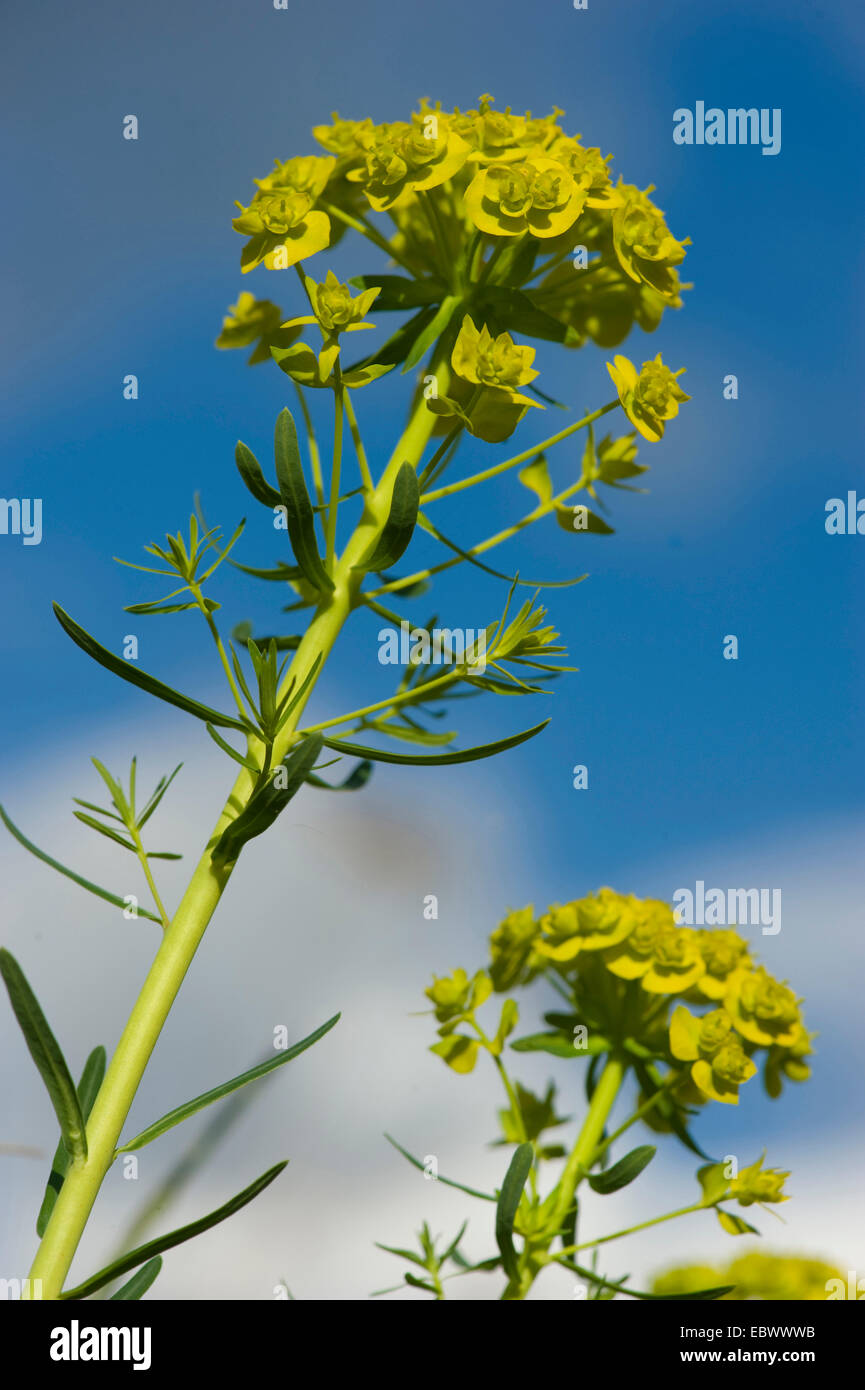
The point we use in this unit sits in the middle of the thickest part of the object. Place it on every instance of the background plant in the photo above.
(682, 1017)
(501, 225)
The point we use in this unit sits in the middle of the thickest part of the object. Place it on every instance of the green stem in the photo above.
(630, 1230)
(542, 510)
(148, 874)
(357, 440)
(312, 443)
(333, 505)
(602, 1102)
(638, 1114)
(223, 655)
(518, 458)
(366, 229)
(440, 239)
(393, 702)
(181, 940)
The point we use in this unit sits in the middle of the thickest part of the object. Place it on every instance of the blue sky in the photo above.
(121, 259)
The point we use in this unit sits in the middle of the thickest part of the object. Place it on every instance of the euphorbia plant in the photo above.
(678, 1017)
(488, 229)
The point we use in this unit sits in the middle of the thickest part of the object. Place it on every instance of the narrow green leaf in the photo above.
(265, 805)
(399, 344)
(114, 789)
(156, 796)
(593, 1277)
(129, 672)
(556, 1044)
(432, 330)
(182, 1112)
(45, 1051)
(577, 518)
(508, 1202)
(283, 644)
(148, 609)
(451, 1250)
(410, 733)
(667, 1107)
(232, 752)
(250, 471)
(562, 1045)
(281, 574)
(401, 521)
(510, 310)
(354, 781)
(419, 1283)
(448, 1182)
(100, 810)
(88, 1089)
(398, 292)
(467, 755)
(103, 830)
(424, 522)
(140, 1282)
(167, 1242)
(700, 1295)
(402, 1254)
(623, 1172)
(299, 516)
(69, 873)
(735, 1225)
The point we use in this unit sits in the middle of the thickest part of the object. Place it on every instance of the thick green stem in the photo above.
(181, 939)
(602, 1102)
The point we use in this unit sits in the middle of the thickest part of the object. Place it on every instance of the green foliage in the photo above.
(50, 1062)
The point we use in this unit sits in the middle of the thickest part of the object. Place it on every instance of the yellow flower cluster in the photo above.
(755, 1275)
(445, 178)
(636, 978)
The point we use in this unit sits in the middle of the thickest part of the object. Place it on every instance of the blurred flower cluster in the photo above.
(695, 1001)
(755, 1275)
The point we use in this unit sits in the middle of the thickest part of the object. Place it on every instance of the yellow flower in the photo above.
(758, 1184)
(724, 953)
(408, 156)
(719, 1063)
(450, 994)
(764, 1010)
(589, 170)
(646, 248)
(253, 320)
(789, 1062)
(649, 397)
(307, 174)
(676, 962)
(334, 307)
(633, 957)
(720, 1078)
(281, 220)
(589, 924)
(692, 1038)
(537, 196)
(499, 362)
(511, 947)
(494, 367)
(342, 138)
